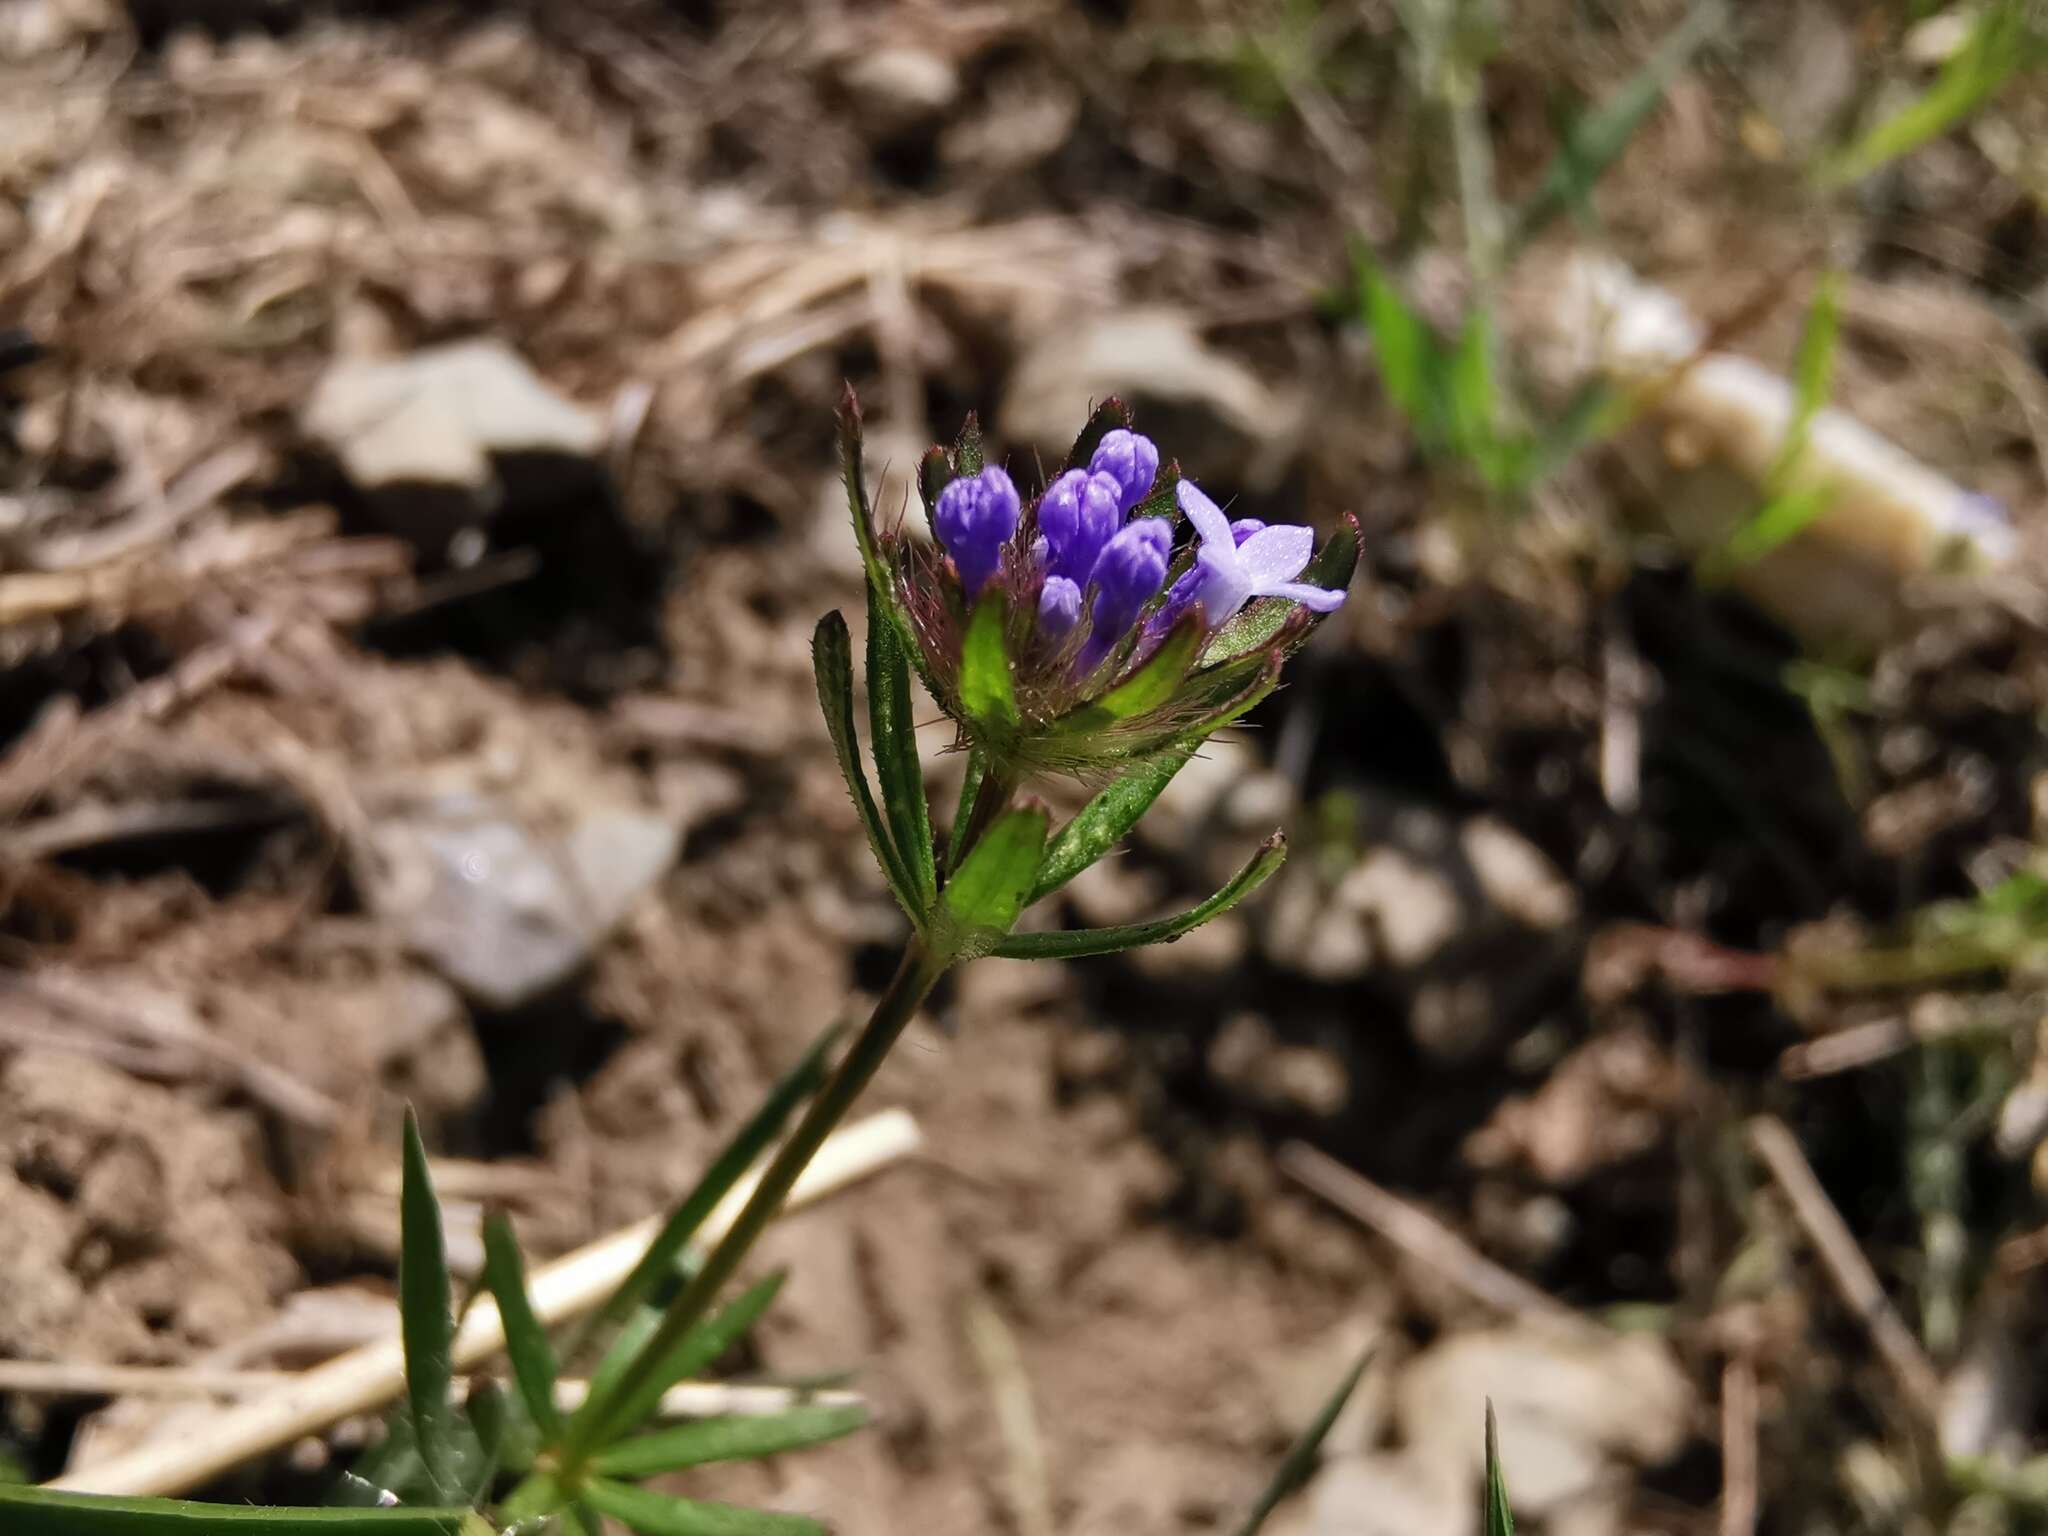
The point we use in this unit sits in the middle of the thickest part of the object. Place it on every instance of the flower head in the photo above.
(1050, 635)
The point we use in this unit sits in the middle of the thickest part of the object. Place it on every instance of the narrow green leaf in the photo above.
(1107, 417)
(426, 1322)
(1596, 140)
(657, 1514)
(832, 658)
(666, 1251)
(963, 813)
(1079, 942)
(892, 733)
(691, 1354)
(526, 1342)
(1813, 374)
(857, 504)
(1300, 1458)
(1500, 1517)
(982, 902)
(31, 1511)
(1101, 824)
(587, 1519)
(934, 474)
(1404, 348)
(987, 693)
(1778, 521)
(730, 1439)
(2000, 45)
(1150, 686)
(1471, 399)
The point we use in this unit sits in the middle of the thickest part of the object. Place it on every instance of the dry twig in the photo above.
(1854, 1280)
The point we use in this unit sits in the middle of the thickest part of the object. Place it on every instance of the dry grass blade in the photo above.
(1854, 1280)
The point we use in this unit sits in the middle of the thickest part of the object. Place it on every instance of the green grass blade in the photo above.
(1778, 521)
(1077, 943)
(832, 659)
(1789, 509)
(2000, 45)
(730, 1439)
(689, 1355)
(1404, 348)
(1596, 140)
(526, 1342)
(1813, 374)
(963, 813)
(665, 1253)
(1101, 824)
(982, 902)
(29, 1511)
(892, 735)
(657, 1514)
(1500, 1518)
(427, 1324)
(987, 693)
(1300, 1458)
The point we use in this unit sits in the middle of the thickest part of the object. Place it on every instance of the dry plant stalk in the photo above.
(1854, 1280)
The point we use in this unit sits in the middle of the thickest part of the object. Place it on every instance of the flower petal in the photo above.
(1320, 599)
(1207, 517)
(1276, 554)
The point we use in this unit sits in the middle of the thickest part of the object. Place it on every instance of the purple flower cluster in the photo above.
(1089, 543)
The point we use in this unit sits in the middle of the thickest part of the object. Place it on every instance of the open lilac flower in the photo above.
(1240, 561)
(1131, 461)
(976, 516)
(1078, 516)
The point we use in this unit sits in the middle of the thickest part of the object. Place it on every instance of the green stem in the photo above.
(914, 980)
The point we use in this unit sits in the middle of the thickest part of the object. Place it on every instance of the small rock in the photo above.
(1382, 1494)
(1413, 909)
(1204, 404)
(900, 85)
(1570, 1407)
(1514, 875)
(1211, 950)
(504, 910)
(427, 436)
(1196, 792)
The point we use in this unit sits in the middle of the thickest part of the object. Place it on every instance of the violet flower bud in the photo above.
(1078, 515)
(1059, 608)
(976, 516)
(1131, 460)
(1125, 579)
